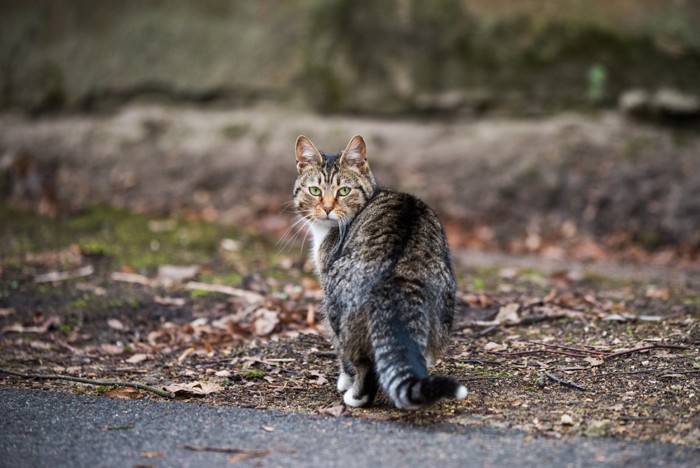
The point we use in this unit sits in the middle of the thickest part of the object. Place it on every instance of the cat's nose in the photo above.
(328, 209)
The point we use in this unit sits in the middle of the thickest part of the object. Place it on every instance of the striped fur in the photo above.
(385, 267)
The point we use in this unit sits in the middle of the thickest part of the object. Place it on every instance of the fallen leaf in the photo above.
(6, 312)
(265, 322)
(174, 274)
(152, 454)
(111, 349)
(493, 346)
(337, 411)
(247, 455)
(594, 362)
(508, 313)
(658, 293)
(566, 420)
(137, 358)
(36, 344)
(615, 318)
(267, 428)
(193, 388)
(223, 373)
(115, 324)
(124, 393)
(174, 301)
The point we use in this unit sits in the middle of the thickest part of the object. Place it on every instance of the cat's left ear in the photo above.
(355, 153)
(307, 154)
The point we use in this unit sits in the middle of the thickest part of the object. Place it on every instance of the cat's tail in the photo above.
(401, 368)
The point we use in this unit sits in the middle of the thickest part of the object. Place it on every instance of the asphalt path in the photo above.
(48, 429)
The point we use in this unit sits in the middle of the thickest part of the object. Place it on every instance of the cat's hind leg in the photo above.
(364, 385)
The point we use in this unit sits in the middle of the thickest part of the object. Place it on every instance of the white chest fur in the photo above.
(319, 231)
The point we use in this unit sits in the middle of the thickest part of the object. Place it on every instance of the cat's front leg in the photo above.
(345, 376)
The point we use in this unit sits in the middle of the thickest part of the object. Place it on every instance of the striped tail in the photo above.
(402, 370)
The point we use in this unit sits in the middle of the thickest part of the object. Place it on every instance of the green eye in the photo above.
(315, 191)
(343, 191)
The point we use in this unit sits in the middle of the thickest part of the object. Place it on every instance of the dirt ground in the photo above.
(562, 328)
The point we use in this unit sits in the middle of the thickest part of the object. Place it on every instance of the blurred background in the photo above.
(383, 57)
(554, 127)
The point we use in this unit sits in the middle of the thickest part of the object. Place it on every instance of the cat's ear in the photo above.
(355, 154)
(307, 154)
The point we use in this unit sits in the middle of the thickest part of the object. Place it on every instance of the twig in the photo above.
(229, 450)
(249, 296)
(662, 373)
(70, 378)
(55, 276)
(570, 348)
(480, 362)
(485, 331)
(566, 383)
(536, 351)
(238, 454)
(644, 348)
(607, 374)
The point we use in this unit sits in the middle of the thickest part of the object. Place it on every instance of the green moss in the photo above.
(254, 374)
(122, 236)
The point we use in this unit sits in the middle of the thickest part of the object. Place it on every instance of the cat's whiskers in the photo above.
(293, 232)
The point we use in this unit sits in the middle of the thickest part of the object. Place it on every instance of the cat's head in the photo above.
(333, 188)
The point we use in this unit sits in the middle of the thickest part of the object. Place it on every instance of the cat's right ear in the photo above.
(307, 154)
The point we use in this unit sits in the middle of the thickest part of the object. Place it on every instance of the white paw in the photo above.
(461, 393)
(350, 400)
(344, 381)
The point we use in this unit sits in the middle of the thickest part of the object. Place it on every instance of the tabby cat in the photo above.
(385, 268)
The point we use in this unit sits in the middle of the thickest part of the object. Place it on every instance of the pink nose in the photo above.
(327, 209)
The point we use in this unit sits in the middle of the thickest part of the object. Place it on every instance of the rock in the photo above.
(665, 104)
(566, 420)
(598, 427)
(676, 103)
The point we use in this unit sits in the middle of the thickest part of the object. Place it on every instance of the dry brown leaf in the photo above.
(248, 454)
(174, 274)
(337, 411)
(115, 324)
(508, 313)
(493, 346)
(137, 358)
(594, 362)
(193, 388)
(265, 321)
(658, 293)
(125, 393)
(153, 454)
(111, 349)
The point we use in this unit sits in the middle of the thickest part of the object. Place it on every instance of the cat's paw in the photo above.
(344, 382)
(350, 400)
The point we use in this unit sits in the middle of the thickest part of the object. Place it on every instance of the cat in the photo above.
(385, 268)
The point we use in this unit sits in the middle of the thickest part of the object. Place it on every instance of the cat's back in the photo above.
(396, 231)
